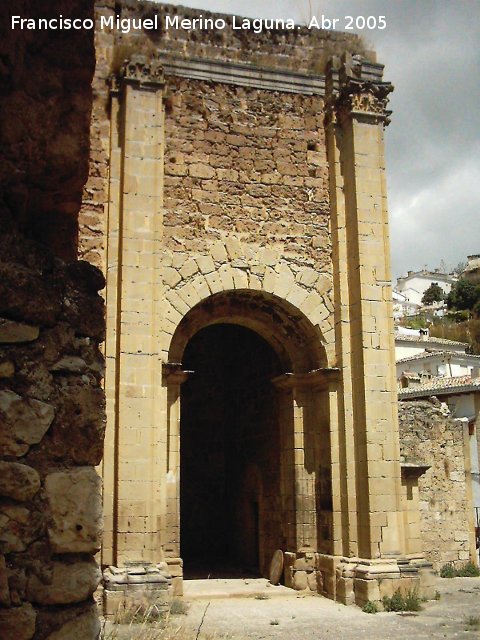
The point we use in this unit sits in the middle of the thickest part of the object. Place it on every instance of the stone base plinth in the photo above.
(139, 589)
(358, 580)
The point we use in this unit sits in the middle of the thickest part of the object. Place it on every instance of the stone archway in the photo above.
(270, 487)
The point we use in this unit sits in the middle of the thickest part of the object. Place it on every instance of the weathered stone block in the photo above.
(25, 422)
(69, 583)
(74, 498)
(18, 481)
(18, 527)
(79, 426)
(11, 332)
(18, 623)
(85, 626)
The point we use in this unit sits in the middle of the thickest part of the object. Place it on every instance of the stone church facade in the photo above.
(250, 381)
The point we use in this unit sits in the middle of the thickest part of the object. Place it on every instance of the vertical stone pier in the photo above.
(374, 546)
(135, 453)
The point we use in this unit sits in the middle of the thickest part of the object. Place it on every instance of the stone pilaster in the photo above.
(134, 453)
(368, 425)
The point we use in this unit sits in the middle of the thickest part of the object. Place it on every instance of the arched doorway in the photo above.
(231, 511)
(248, 438)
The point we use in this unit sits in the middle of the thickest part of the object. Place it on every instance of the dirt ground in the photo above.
(267, 614)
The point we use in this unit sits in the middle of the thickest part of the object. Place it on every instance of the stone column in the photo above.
(368, 425)
(136, 447)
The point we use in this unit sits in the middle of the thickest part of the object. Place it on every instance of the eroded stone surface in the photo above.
(18, 481)
(85, 626)
(75, 509)
(19, 527)
(4, 588)
(73, 582)
(17, 332)
(25, 422)
(73, 364)
(18, 623)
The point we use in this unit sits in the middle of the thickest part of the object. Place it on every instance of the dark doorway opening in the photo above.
(230, 494)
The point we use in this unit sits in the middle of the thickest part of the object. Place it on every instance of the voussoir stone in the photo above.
(11, 332)
(18, 623)
(70, 583)
(74, 497)
(18, 481)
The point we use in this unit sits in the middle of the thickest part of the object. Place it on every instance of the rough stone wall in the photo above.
(51, 437)
(246, 163)
(51, 323)
(45, 98)
(262, 148)
(429, 435)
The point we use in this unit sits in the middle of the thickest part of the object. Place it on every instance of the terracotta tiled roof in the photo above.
(430, 354)
(441, 386)
(427, 339)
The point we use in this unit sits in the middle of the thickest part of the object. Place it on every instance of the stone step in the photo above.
(233, 588)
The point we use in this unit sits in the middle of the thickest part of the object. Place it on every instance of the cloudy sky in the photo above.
(431, 52)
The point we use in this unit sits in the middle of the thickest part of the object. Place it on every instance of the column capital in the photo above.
(351, 93)
(140, 71)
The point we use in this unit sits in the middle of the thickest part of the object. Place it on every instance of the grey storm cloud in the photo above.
(431, 54)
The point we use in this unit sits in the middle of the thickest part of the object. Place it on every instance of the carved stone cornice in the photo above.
(143, 72)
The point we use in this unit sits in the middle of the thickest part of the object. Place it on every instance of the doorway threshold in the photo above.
(217, 588)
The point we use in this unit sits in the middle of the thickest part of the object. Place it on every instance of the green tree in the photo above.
(464, 295)
(434, 293)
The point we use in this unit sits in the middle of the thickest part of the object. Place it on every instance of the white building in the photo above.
(410, 342)
(446, 363)
(402, 307)
(415, 283)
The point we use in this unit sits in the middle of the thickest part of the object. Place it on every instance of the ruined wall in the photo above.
(428, 435)
(51, 323)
